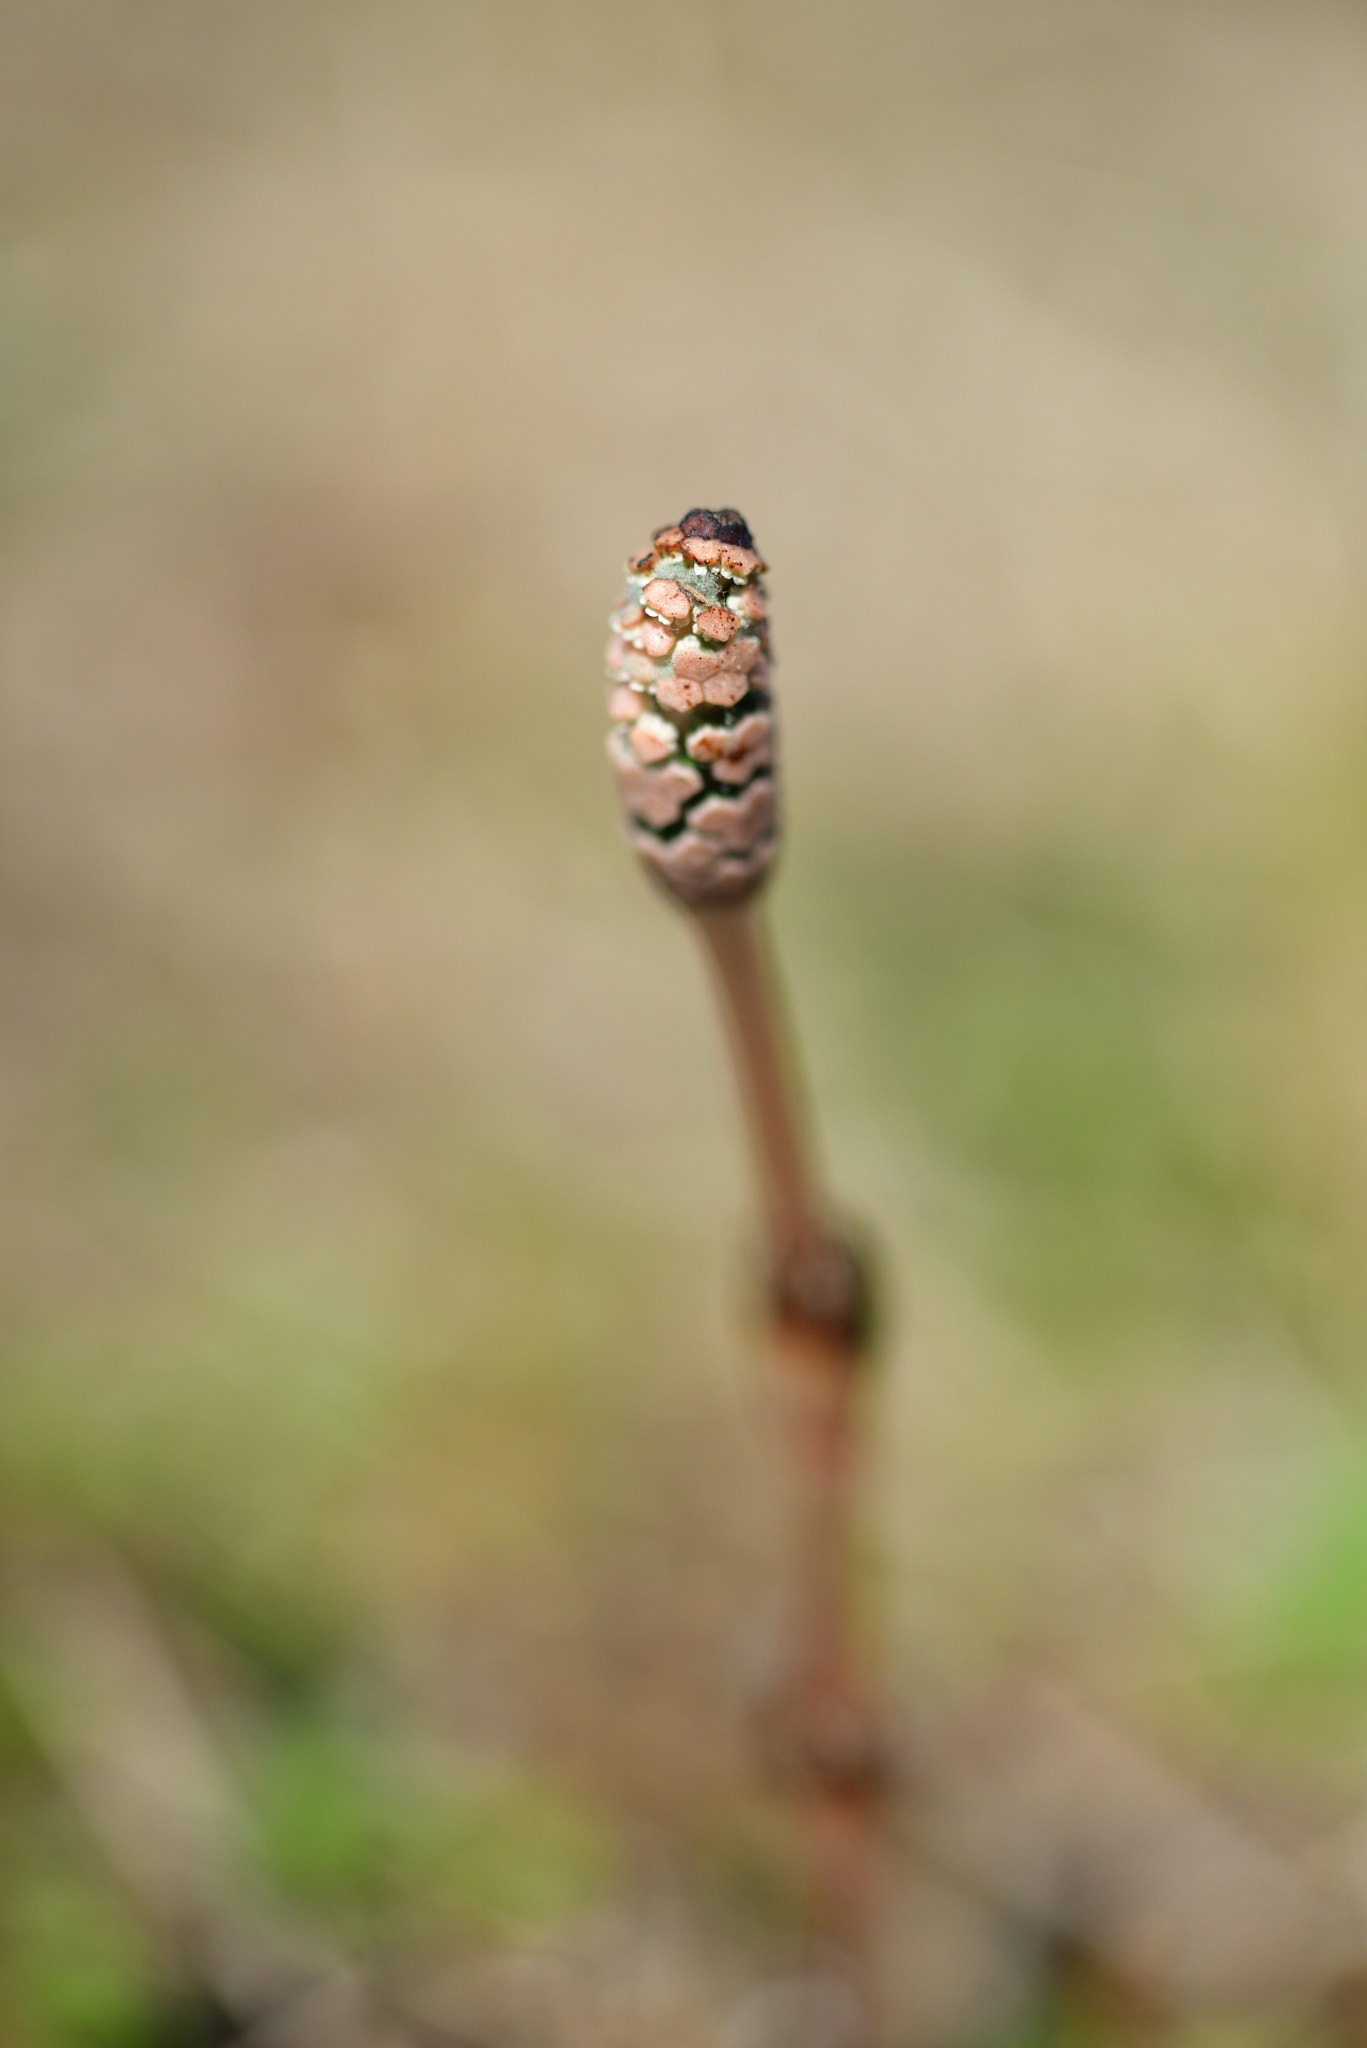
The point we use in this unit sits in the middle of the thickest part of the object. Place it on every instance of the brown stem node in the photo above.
(821, 1289)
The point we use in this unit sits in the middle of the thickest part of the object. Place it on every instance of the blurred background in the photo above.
(389, 1548)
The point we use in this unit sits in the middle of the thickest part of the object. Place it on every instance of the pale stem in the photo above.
(828, 1707)
(746, 987)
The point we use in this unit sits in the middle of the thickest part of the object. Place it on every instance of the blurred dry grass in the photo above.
(372, 1187)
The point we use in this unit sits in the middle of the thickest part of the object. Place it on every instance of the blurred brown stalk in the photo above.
(824, 1727)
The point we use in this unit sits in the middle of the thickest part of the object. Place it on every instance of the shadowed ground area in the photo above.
(391, 1554)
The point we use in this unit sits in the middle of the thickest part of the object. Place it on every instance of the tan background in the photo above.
(373, 1217)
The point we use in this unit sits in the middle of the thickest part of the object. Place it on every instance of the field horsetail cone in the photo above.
(692, 735)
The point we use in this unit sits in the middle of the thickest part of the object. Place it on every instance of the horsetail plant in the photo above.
(692, 748)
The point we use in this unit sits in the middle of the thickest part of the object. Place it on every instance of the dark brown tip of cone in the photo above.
(725, 525)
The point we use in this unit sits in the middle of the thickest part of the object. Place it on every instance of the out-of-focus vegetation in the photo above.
(388, 1547)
